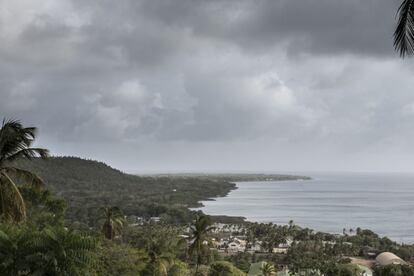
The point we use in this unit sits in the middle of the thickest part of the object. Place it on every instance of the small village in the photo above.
(255, 245)
(230, 240)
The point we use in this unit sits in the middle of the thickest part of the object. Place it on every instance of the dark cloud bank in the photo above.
(211, 85)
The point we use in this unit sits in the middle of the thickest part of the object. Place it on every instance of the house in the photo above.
(280, 250)
(302, 272)
(235, 246)
(256, 247)
(287, 243)
(155, 219)
(240, 241)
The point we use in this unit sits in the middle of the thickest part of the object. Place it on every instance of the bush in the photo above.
(223, 268)
(394, 270)
(119, 259)
(179, 269)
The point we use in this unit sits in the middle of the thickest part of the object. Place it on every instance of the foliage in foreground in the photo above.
(404, 32)
(25, 250)
(394, 270)
(119, 259)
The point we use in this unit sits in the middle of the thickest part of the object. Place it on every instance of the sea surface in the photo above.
(331, 202)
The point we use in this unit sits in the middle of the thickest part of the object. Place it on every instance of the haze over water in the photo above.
(383, 203)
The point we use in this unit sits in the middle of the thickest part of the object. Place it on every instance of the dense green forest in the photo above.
(87, 185)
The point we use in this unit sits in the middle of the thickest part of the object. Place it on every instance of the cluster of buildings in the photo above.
(230, 240)
(234, 243)
(138, 221)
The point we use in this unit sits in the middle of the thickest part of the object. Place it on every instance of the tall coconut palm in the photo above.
(160, 255)
(404, 33)
(250, 237)
(113, 221)
(267, 269)
(162, 244)
(15, 143)
(198, 238)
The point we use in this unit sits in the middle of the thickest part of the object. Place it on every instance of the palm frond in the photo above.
(28, 153)
(13, 135)
(5, 242)
(56, 251)
(15, 142)
(12, 206)
(404, 33)
(28, 178)
(268, 269)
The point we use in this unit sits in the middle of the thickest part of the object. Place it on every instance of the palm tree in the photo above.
(15, 143)
(162, 245)
(160, 256)
(113, 221)
(198, 238)
(404, 33)
(273, 238)
(267, 269)
(250, 238)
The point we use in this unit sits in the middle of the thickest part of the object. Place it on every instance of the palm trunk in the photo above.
(196, 271)
(13, 207)
(2, 206)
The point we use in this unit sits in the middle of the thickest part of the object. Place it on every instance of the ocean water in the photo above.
(383, 203)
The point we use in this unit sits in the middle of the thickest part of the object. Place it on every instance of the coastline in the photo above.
(233, 179)
(329, 204)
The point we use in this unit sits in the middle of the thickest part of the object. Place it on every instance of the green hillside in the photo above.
(88, 185)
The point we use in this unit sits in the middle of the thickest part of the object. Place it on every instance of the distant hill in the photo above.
(237, 177)
(88, 185)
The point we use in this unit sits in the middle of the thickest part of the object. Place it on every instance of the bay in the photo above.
(329, 202)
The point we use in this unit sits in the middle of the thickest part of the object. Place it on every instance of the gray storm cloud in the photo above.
(211, 85)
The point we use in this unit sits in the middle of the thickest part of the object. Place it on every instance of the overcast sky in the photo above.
(254, 85)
